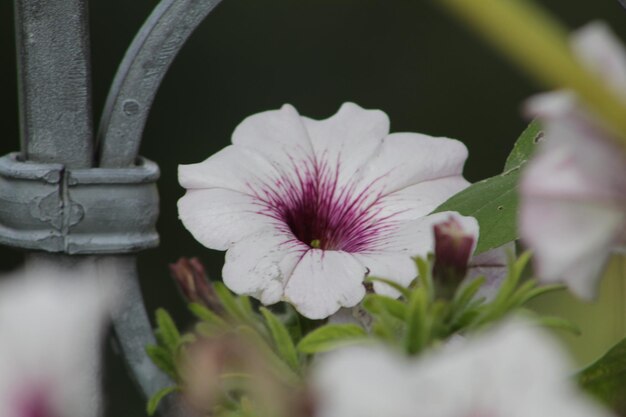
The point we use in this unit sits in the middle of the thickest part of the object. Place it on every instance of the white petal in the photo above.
(572, 207)
(363, 382)
(598, 47)
(406, 159)
(234, 168)
(571, 240)
(552, 105)
(348, 139)
(397, 267)
(416, 238)
(391, 257)
(261, 264)
(278, 135)
(421, 199)
(522, 372)
(577, 161)
(324, 281)
(51, 324)
(217, 218)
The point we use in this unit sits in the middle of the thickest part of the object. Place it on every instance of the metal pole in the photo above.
(54, 81)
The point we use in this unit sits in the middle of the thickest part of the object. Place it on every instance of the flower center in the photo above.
(323, 215)
(313, 224)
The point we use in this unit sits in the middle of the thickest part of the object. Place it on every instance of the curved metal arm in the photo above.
(121, 129)
(140, 74)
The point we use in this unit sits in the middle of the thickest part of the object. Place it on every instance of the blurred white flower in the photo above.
(573, 193)
(308, 208)
(50, 335)
(513, 371)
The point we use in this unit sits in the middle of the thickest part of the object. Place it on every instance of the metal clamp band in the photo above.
(78, 211)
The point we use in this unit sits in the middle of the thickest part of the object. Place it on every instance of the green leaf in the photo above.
(525, 146)
(331, 337)
(416, 323)
(154, 401)
(277, 363)
(167, 332)
(425, 277)
(163, 359)
(401, 289)
(282, 339)
(538, 291)
(493, 202)
(207, 315)
(237, 308)
(466, 293)
(559, 323)
(510, 284)
(375, 303)
(606, 378)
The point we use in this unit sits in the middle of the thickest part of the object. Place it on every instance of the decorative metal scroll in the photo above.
(140, 74)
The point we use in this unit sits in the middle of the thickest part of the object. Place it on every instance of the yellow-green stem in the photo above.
(540, 46)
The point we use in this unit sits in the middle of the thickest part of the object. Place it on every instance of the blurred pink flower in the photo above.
(308, 208)
(573, 192)
(51, 326)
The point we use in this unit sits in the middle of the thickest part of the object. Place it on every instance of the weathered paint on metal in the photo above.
(54, 81)
(78, 211)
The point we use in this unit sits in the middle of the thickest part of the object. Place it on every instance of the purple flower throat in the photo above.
(323, 214)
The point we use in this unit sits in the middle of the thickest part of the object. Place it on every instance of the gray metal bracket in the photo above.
(78, 211)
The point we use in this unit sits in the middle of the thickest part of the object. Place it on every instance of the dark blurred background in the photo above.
(405, 57)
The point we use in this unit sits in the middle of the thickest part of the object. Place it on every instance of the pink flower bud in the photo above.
(193, 282)
(453, 249)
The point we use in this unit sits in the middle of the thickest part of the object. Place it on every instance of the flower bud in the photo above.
(453, 249)
(194, 284)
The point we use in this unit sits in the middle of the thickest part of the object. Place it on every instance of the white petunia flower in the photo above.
(513, 371)
(573, 193)
(307, 208)
(50, 335)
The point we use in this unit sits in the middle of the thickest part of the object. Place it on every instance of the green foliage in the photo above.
(525, 147)
(421, 317)
(165, 354)
(167, 333)
(155, 400)
(272, 336)
(237, 308)
(163, 359)
(204, 314)
(494, 201)
(606, 378)
(331, 336)
(282, 339)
